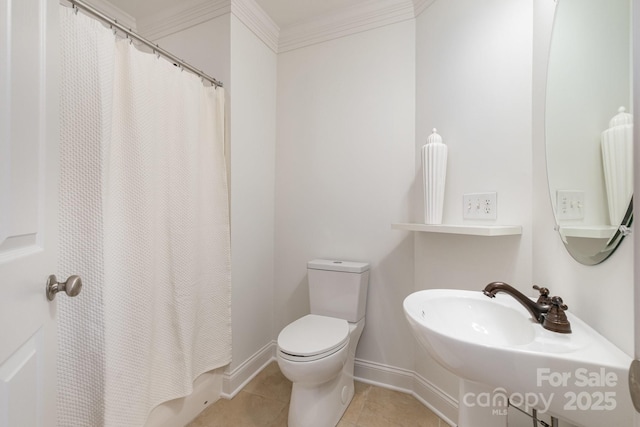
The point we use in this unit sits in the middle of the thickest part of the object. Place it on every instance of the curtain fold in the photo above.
(144, 180)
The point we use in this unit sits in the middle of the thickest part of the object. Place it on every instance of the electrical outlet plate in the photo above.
(569, 204)
(480, 206)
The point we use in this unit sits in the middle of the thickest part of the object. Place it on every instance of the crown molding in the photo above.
(258, 21)
(182, 16)
(190, 13)
(345, 21)
(420, 6)
(364, 16)
(112, 11)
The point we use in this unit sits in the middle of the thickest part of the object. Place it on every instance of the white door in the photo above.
(28, 210)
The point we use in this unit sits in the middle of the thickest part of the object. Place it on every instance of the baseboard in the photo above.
(235, 380)
(406, 381)
(378, 374)
(384, 376)
(434, 398)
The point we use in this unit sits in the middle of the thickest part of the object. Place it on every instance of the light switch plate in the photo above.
(569, 204)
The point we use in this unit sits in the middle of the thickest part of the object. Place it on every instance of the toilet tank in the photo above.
(338, 288)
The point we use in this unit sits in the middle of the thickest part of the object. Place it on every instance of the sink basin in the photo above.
(480, 321)
(497, 343)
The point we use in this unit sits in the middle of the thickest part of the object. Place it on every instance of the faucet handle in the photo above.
(556, 319)
(557, 301)
(544, 295)
(543, 291)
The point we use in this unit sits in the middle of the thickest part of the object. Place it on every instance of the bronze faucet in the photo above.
(547, 311)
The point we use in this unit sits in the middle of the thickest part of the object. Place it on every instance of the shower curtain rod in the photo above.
(78, 4)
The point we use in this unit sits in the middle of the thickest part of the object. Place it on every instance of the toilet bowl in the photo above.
(317, 352)
(322, 382)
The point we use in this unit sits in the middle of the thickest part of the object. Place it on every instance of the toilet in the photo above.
(317, 352)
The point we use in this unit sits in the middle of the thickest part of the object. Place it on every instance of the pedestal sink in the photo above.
(580, 377)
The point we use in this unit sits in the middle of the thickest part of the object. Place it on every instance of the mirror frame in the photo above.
(612, 244)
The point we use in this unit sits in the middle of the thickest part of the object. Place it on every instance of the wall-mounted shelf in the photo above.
(588, 231)
(469, 230)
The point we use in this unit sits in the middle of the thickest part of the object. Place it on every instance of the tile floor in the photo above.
(264, 402)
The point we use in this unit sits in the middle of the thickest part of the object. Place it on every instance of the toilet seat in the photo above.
(312, 337)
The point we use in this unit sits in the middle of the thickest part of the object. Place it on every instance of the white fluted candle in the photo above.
(434, 172)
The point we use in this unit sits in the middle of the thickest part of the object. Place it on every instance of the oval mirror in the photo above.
(589, 135)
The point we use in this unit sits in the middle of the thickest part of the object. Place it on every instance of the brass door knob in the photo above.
(72, 286)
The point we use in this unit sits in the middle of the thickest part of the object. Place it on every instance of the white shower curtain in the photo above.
(144, 220)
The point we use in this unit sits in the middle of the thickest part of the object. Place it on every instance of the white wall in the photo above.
(253, 120)
(344, 169)
(473, 69)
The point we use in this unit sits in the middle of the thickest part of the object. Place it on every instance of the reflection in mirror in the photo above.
(589, 128)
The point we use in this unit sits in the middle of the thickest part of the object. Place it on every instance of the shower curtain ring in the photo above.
(75, 9)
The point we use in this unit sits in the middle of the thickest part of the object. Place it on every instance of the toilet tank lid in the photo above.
(337, 265)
